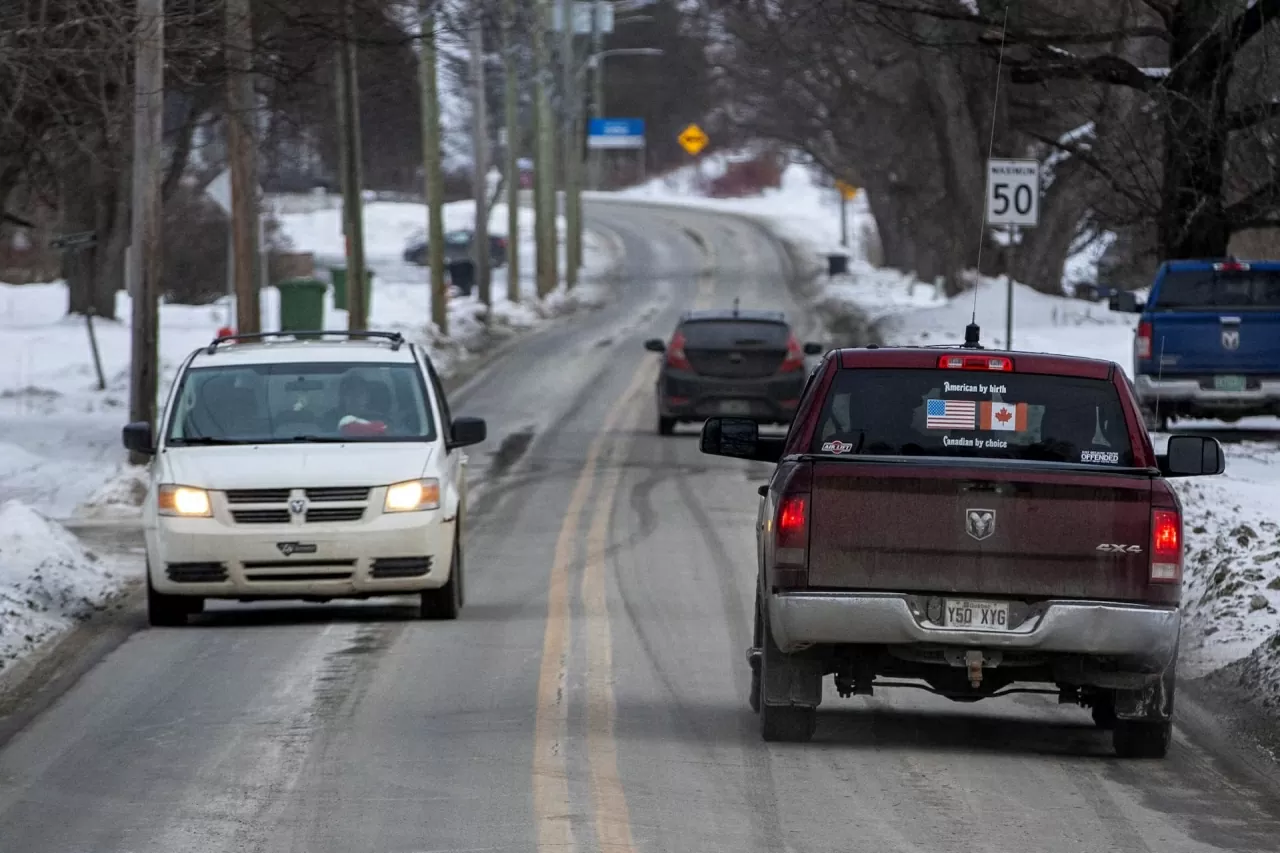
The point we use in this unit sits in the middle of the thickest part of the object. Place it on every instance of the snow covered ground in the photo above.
(60, 452)
(1232, 593)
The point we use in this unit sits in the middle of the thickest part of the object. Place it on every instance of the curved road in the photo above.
(593, 696)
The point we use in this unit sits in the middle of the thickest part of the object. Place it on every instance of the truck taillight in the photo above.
(1166, 546)
(675, 353)
(791, 540)
(1142, 344)
(795, 356)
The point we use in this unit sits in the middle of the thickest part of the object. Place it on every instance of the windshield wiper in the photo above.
(319, 439)
(205, 440)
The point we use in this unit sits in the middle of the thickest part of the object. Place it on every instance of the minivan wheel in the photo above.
(446, 602)
(1142, 738)
(666, 426)
(169, 611)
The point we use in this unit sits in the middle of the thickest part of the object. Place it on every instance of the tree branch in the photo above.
(1102, 69)
(1049, 38)
(1262, 203)
(1085, 156)
(1252, 22)
(1252, 115)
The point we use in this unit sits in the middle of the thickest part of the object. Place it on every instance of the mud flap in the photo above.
(1153, 703)
(794, 680)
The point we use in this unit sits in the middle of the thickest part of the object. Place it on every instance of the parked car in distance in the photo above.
(980, 522)
(1207, 344)
(457, 247)
(748, 364)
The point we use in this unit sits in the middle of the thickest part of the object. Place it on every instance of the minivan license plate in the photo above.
(980, 615)
(735, 407)
(1228, 383)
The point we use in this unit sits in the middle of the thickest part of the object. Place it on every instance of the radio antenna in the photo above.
(991, 147)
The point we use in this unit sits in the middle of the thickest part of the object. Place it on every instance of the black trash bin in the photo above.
(463, 276)
(837, 264)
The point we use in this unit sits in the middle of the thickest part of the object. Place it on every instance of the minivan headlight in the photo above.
(412, 495)
(184, 501)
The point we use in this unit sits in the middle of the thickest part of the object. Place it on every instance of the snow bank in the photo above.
(48, 581)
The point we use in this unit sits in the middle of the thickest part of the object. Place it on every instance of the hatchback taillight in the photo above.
(1166, 546)
(675, 353)
(795, 356)
(1142, 344)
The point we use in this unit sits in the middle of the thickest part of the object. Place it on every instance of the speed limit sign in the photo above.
(1013, 193)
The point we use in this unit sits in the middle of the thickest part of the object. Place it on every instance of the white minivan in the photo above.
(305, 467)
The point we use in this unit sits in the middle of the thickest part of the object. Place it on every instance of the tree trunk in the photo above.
(92, 201)
(1193, 223)
(1040, 260)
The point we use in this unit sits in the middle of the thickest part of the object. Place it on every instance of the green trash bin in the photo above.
(301, 304)
(339, 275)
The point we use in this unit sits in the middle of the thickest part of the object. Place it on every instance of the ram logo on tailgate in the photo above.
(1231, 339)
(980, 523)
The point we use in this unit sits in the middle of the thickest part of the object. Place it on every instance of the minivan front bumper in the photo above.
(1144, 633)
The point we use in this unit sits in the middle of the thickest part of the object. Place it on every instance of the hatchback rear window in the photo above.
(955, 414)
(1190, 290)
(734, 334)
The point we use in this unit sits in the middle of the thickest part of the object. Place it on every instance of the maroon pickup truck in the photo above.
(976, 523)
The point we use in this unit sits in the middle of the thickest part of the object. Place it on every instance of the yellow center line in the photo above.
(550, 775)
(608, 800)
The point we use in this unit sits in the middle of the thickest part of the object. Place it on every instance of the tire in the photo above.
(446, 602)
(780, 723)
(1104, 712)
(1142, 738)
(666, 426)
(169, 611)
(757, 635)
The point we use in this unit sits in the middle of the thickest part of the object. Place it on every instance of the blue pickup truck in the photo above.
(1208, 341)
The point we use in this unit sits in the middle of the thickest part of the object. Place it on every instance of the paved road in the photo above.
(593, 696)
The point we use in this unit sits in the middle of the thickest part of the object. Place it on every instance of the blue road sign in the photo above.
(615, 133)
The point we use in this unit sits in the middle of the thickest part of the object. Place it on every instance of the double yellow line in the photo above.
(551, 800)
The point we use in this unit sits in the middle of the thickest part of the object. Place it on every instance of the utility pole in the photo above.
(431, 163)
(146, 255)
(352, 179)
(480, 149)
(545, 162)
(242, 151)
(569, 137)
(597, 82)
(510, 105)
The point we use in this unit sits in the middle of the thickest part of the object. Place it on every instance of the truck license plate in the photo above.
(981, 615)
(1228, 383)
(735, 407)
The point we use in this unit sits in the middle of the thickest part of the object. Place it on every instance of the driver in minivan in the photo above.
(356, 413)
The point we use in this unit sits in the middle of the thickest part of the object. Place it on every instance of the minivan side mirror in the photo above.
(139, 438)
(655, 345)
(467, 431)
(813, 348)
(1192, 456)
(1125, 302)
(739, 438)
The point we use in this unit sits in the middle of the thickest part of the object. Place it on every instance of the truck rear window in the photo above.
(967, 414)
(1193, 290)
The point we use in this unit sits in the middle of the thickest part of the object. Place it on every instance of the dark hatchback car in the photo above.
(457, 247)
(744, 364)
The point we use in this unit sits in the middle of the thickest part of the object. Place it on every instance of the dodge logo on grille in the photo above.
(297, 506)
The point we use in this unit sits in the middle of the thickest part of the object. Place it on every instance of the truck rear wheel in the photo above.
(1154, 422)
(666, 426)
(1142, 738)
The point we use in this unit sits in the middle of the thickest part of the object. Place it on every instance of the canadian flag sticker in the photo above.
(1007, 417)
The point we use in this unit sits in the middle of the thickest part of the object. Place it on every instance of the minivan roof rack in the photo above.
(395, 338)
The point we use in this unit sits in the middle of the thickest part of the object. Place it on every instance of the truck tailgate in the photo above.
(925, 527)
(1218, 342)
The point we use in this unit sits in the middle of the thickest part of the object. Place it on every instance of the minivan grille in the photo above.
(257, 496)
(335, 513)
(255, 506)
(260, 516)
(339, 493)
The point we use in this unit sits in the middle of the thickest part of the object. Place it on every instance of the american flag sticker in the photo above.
(950, 414)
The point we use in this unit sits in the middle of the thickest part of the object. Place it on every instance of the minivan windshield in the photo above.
(964, 414)
(282, 403)
(1199, 290)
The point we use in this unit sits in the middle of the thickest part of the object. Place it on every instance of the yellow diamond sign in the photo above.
(848, 191)
(693, 139)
